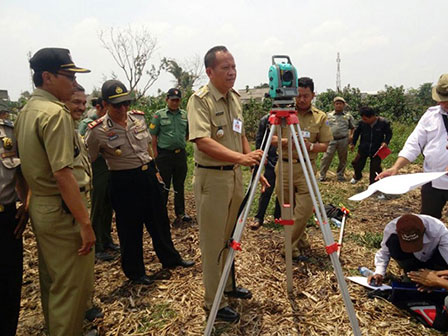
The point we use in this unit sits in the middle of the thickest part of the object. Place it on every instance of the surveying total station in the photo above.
(283, 119)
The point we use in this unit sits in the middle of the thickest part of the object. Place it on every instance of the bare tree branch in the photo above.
(132, 50)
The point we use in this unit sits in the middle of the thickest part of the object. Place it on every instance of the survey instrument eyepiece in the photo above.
(283, 79)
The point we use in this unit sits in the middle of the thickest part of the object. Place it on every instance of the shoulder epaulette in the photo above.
(235, 91)
(6, 122)
(316, 110)
(95, 123)
(201, 92)
(137, 112)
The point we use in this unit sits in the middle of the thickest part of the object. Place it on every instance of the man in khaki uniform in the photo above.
(342, 125)
(317, 135)
(216, 127)
(52, 165)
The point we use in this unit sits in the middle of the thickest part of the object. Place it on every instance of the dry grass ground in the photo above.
(174, 306)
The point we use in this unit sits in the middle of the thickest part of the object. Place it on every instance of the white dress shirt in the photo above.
(430, 138)
(436, 236)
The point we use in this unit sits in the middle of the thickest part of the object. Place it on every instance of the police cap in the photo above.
(114, 92)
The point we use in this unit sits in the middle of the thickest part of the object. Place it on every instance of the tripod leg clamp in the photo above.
(235, 245)
(284, 221)
(332, 248)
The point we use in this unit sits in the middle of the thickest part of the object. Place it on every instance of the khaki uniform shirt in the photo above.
(122, 148)
(47, 142)
(314, 126)
(340, 124)
(9, 162)
(213, 115)
(170, 127)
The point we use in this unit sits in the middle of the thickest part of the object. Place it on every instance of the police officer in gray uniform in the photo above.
(122, 138)
(12, 223)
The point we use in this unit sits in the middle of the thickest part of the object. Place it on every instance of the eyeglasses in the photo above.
(125, 103)
(70, 77)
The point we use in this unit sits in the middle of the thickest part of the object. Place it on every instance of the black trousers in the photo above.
(101, 213)
(173, 166)
(11, 270)
(433, 200)
(136, 199)
(265, 197)
(408, 262)
(359, 162)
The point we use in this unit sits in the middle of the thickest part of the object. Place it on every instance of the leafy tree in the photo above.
(187, 75)
(132, 50)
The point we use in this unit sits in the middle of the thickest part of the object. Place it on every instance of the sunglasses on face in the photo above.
(125, 103)
(70, 77)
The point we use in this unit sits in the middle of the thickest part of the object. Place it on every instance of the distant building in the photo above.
(4, 95)
(255, 94)
(365, 94)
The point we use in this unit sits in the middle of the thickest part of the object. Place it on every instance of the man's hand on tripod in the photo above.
(251, 158)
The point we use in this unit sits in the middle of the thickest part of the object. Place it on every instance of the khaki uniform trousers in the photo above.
(218, 195)
(66, 279)
(303, 206)
(341, 146)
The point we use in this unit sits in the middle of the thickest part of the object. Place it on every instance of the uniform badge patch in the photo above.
(7, 143)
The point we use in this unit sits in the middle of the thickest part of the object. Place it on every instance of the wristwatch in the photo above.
(311, 147)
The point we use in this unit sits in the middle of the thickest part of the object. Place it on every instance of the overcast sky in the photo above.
(381, 42)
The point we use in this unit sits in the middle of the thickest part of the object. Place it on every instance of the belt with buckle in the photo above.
(7, 207)
(230, 167)
(175, 151)
(142, 168)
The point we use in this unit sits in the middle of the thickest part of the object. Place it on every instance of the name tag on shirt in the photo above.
(237, 125)
(306, 134)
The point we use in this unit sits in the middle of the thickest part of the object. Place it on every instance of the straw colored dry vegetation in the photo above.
(174, 306)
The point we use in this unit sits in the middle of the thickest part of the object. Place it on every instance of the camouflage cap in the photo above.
(440, 91)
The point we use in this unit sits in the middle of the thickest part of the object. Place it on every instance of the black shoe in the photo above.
(186, 218)
(113, 247)
(104, 256)
(177, 222)
(93, 313)
(181, 263)
(228, 314)
(143, 280)
(240, 293)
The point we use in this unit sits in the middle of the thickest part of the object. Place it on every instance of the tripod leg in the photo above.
(235, 241)
(288, 228)
(286, 209)
(341, 234)
(331, 246)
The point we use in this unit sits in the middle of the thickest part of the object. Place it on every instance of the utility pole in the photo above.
(338, 74)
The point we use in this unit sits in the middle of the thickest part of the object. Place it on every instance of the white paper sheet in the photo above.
(361, 280)
(397, 184)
